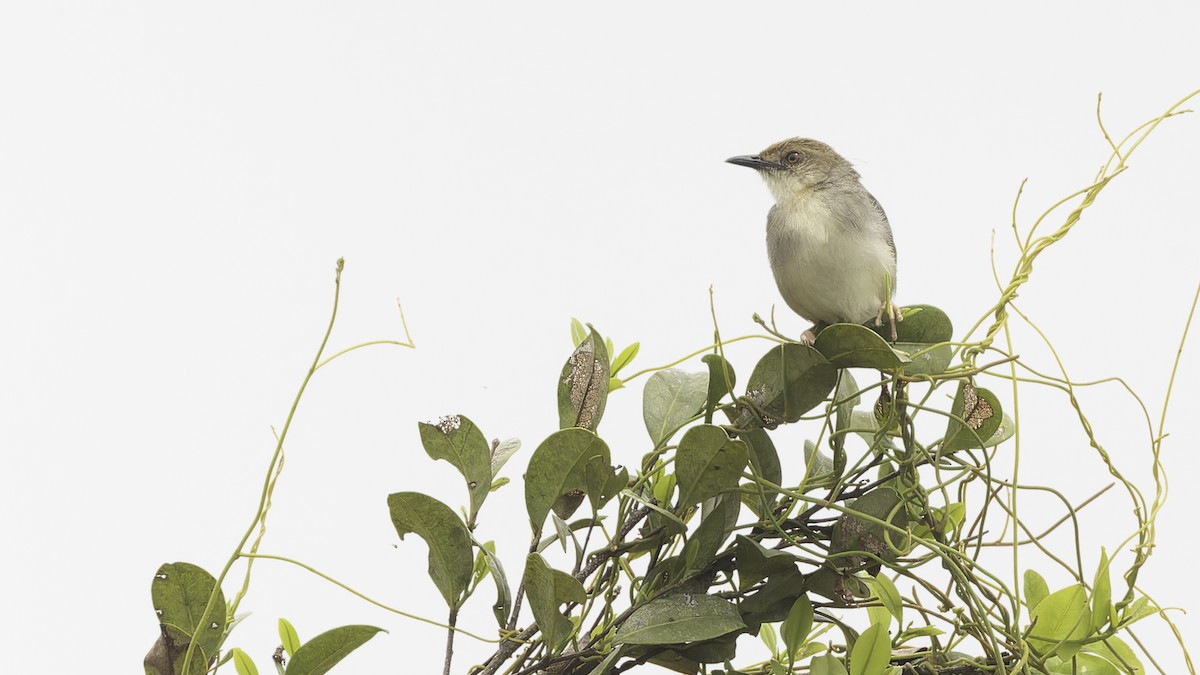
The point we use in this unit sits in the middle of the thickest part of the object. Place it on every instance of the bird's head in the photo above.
(796, 166)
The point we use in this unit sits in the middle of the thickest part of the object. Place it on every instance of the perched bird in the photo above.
(828, 239)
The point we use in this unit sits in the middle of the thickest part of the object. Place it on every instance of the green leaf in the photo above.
(764, 459)
(1102, 609)
(923, 324)
(819, 467)
(506, 449)
(849, 345)
(1117, 652)
(756, 562)
(242, 662)
(826, 664)
(774, 599)
(715, 527)
(625, 357)
(547, 589)
(677, 618)
(1081, 664)
(1136, 611)
(797, 626)
(872, 651)
(1060, 621)
(578, 332)
(671, 398)
(707, 463)
(559, 466)
(924, 359)
(583, 385)
(852, 532)
(1035, 589)
(767, 635)
(889, 596)
(288, 637)
(721, 378)
(787, 382)
(983, 418)
(715, 650)
(320, 654)
(457, 440)
(450, 557)
(179, 592)
(503, 605)
(603, 482)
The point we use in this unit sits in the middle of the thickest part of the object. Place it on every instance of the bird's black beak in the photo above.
(754, 162)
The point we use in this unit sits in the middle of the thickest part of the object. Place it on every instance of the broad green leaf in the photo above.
(923, 324)
(449, 542)
(1035, 588)
(603, 482)
(721, 378)
(925, 359)
(547, 589)
(983, 418)
(889, 596)
(1081, 664)
(849, 345)
(180, 592)
(682, 617)
(242, 662)
(819, 468)
(764, 459)
(714, 650)
(671, 398)
(1060, 621)
(457, 440)
(756, 562)
(787, 382)
(796, 627)
(716, 525)
(288, 637)
(773, 601)
(320, 654)
(872, 651)
(826, 664)
(667, 571)
(707, 463)
(1102, 608)
(1116, 651)
(583, 385)
(558, 466)
(852, 532)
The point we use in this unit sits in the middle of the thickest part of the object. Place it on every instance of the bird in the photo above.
(828, 240)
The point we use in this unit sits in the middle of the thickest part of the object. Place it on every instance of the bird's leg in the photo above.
(808, 337)
(893, 313)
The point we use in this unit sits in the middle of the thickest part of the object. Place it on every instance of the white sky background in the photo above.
(176, 183)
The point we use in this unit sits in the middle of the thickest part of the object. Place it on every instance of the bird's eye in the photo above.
(792, 157)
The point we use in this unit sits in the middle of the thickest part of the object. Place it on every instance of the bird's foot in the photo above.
(892, 311)
(809, 337)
